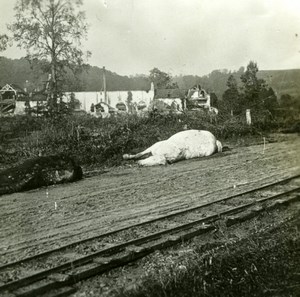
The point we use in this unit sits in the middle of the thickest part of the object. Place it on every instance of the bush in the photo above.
(103, 141)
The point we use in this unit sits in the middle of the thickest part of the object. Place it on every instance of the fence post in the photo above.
(78, 133)
(248, 116)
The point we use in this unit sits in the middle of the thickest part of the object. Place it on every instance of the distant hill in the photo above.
(283, 81)
(18, 71)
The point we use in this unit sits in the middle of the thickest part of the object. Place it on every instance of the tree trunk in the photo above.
(53, 86)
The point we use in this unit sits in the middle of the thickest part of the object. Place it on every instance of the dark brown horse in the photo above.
(39, 172)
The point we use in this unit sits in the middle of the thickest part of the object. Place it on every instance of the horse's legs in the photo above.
(152, 161)
(140, 155)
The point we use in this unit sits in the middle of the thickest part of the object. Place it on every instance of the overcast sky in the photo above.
(186, 36)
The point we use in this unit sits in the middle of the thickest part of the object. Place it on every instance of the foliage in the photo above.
(214, 101)
(264, 264)
(289, 102)
(162, 80)
(74, 103)
(288, 111)
(102, 142)
(269, 99)
(282, 81)
(252, 87)
(51, 30)
(18, 71)
(231, 97)
(254, 94)
(4, 41)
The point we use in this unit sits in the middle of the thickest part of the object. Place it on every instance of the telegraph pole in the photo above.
(104, 85)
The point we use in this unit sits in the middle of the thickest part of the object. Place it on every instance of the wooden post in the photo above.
(104, 85)
(248, 116)
(183, 101)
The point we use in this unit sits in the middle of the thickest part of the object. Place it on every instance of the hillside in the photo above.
(19, 71)
(283, 81)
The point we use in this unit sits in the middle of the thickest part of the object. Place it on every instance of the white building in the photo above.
(113, 98)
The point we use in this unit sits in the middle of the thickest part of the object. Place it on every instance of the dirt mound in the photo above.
(38, 172)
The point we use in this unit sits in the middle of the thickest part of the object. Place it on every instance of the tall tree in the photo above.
(269, 100)
(160, 79)
(231, 96)
(51, 30)
(252, 87)
(214, 101)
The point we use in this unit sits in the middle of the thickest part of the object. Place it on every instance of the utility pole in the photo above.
(104, 85)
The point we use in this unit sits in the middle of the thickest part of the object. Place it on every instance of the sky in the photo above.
(186, 36)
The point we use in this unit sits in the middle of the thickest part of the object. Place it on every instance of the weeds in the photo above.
(103, 141)
(256, 266)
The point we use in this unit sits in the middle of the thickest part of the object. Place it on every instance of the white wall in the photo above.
(87, 98)
(20, 108)
(169, 102)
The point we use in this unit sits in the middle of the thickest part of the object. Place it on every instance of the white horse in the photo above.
(181, 146)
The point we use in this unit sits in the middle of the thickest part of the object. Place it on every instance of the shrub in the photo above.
(103, 141)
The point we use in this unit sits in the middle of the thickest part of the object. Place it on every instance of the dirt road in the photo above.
(46, 218)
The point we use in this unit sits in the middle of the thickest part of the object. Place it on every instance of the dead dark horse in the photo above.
(39, 172)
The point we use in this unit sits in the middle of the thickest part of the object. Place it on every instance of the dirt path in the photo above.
(39, 220)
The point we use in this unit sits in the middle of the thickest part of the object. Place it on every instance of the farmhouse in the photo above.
(197, 97)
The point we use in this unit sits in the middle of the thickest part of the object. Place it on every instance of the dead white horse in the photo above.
(181, 146)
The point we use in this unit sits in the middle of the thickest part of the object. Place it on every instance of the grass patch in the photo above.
(101, 142)
(267, 264)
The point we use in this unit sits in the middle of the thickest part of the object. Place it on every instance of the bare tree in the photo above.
(51, 30)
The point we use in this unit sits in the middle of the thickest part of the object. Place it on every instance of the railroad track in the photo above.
(53, 273)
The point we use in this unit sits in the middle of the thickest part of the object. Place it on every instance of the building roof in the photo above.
(170, 93)
(12, 87)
